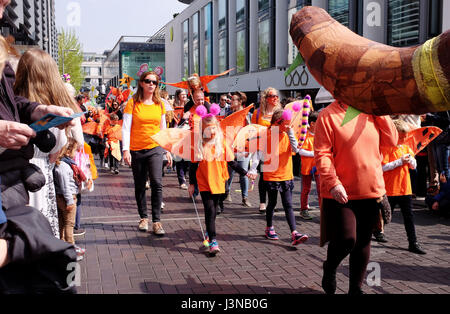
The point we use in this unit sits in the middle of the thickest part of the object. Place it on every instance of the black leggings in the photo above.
(210, 203)
(286, 199)
(261, 187)
(146, 163)
(349, 229)
(405, 203)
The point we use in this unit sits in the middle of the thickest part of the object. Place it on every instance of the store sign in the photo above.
(298, 77)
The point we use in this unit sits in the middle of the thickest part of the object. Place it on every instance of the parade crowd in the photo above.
(363, 170)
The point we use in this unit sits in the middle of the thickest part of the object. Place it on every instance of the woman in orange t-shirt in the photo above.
(270, 101)
(277, 172)
(144, 116)
(209, 170)
(348, 160)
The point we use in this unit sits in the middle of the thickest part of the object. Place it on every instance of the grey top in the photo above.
(65, 183)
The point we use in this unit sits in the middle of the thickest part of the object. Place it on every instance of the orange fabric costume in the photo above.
(308, 162)
(281, 150)
(397, 181)
(340, 150)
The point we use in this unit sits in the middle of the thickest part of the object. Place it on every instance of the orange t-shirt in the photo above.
(212, 175)
(262, 119)
(146, 122)
(277, 155)
(308, 162)
(397, 181)
(350, 154)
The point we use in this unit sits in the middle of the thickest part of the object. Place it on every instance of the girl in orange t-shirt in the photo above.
(209, 169)
(308, 169)
(277, 172)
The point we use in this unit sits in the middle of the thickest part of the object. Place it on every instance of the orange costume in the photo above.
(339, 150)
(307, 161)
(397, 178)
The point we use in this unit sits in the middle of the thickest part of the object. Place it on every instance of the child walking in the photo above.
(281, 179)
(68, 178)
(112, 133)
(396, 164)
(308, 169)
(211, 172)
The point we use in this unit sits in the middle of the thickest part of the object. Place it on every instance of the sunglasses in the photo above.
(272, 96)
(147, 81)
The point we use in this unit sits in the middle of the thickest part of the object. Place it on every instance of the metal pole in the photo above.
(63, 52)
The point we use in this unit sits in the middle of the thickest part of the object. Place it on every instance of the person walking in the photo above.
(144, 116)
(348, 160)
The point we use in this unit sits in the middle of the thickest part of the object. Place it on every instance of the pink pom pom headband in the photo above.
(203, 112)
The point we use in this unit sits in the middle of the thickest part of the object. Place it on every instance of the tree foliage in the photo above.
(67, 40)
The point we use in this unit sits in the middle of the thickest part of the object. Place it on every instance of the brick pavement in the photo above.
(121, 260)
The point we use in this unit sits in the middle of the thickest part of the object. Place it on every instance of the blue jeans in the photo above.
(441, 154)
(243, 180)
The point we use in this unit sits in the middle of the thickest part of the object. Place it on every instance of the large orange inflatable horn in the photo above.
(373, 77)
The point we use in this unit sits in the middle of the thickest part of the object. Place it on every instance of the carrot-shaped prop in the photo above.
(372, 77)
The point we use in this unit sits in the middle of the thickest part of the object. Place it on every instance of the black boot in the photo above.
(355, 291)
(329, 279)
(414, 247)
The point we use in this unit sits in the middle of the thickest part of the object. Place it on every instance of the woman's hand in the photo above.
(191, 190)
(339, 194)
(435, 206)
(3, 253)
(14, 135)
(42, 110)
(252, 176)
(127, 157)
(169, 159)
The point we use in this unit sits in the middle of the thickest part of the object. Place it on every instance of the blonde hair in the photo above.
(67, 150)
(38, 79)
(217, 142)
(139, 96)
(7, 51)
(194, 83)
(263, 105)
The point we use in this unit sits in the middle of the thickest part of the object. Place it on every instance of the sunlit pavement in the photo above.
(120, 259)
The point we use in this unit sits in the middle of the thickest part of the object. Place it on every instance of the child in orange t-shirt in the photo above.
(308, 167)
(279, 177)
(209, 169)
(112, 141)
(396, 164)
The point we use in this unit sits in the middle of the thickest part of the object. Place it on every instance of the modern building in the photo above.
(252, 37)
(32, 23)
(131, 55)
(92, 68)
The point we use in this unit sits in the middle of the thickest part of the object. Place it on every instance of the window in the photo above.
(195, 42)
(266, 34)
(435, 18)
(294, 6)
(208, 39)
(186, 48)
(339, 10)
(223, 35)
(242, 35)
(403, 22)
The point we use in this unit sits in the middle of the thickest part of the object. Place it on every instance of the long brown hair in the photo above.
(138, 97)
(38, 79)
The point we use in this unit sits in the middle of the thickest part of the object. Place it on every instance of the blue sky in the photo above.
(100, 23)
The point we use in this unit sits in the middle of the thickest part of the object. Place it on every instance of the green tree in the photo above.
(70, 49)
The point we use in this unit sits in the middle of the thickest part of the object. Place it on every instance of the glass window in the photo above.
(264, 44)
(195, 42)
(403, 22)
(241, 42)
(435, 18)
(294, 6)
(242, 35)
(263, 5)
(223, 35)
(339, 10)
(186, 48)
(208, 39)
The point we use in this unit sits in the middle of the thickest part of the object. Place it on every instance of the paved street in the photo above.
(120, 259)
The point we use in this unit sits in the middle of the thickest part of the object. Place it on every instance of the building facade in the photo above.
(92, 68)
(252, 37)
(32, 23)
(131, 54)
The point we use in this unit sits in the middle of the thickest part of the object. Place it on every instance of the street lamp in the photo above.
(63, 53)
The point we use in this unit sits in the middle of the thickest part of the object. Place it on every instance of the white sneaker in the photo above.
(163, 205)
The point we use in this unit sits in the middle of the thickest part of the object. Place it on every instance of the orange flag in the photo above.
(418, 139)
(88, 150)
(90, 128)
(204, 79)
(232, 124)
